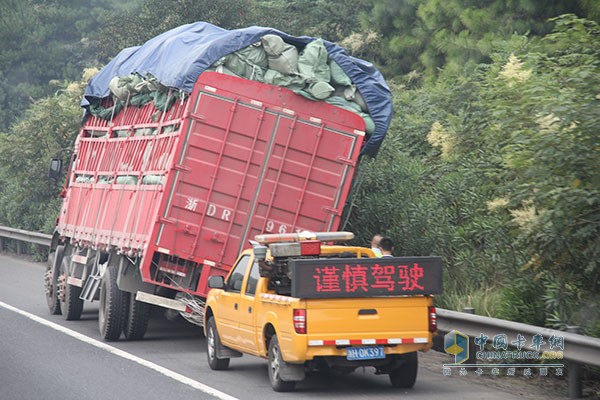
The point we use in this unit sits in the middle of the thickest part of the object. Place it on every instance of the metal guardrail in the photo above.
(578, 349)
(21, 235)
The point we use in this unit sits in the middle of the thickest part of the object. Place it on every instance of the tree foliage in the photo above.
(495, 169)
(426, 35)
(47, 130)
(134, 27)
(549, 104)
(42, 41)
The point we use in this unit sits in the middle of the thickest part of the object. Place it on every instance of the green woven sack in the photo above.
(249, 62)
(338, 76)
(312, 62)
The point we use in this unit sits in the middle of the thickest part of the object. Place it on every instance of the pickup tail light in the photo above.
(432, 320)
(300, 320)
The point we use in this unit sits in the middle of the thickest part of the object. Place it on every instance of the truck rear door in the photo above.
(256, 159)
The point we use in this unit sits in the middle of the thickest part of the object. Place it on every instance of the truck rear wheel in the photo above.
(405, 376)
(275, 364)
(213, 343)
(51, 279)
(112, 305)
(136, 321)
(71, 305)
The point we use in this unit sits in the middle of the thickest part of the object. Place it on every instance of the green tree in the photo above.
(426, 35)
(494, 168)
(333, 21)
(41, 41)
(548, 105)
(30, 199)
(134, 27)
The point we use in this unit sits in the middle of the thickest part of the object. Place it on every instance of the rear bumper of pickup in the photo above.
(303, 348)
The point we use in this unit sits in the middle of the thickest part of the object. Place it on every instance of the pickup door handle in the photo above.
(250, 310)
(235, 306)
(369, 311)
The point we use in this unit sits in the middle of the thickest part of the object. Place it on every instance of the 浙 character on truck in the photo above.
(306, 305)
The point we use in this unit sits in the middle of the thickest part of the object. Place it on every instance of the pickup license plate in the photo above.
(365, 353)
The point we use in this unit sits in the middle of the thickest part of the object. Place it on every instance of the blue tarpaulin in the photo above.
(177, 57)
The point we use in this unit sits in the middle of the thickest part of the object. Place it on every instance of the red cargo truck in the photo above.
(159, 197)
(153, 208)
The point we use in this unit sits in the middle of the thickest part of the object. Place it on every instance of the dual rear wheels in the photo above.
(119, 311)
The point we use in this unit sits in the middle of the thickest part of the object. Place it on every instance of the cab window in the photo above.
(234, 283)
(252, 280)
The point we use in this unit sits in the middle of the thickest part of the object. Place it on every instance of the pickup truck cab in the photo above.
(306, 305)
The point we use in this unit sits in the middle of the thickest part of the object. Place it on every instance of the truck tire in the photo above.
(51, 279)
(213, 343)
(275, 363)
(136, 321)
(405, 376)
(71, 305)
(112, 305)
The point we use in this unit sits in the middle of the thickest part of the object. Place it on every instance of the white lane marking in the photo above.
(128, 356)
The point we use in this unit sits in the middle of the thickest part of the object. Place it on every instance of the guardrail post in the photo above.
(1, 244)
(472, 348)
(19, 247)
(575, 391)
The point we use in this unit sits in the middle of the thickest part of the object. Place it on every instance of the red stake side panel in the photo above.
(186, 189)
(118, 176)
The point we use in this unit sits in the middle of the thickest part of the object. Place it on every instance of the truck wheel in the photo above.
(112, 305)
(51, 279)
(275, 363)
(71, 305)
(136, 321)
(213, 343)
(405, 376)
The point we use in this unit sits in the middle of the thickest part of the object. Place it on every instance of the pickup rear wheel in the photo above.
(405, 376)
(213, 344)
(275, 364)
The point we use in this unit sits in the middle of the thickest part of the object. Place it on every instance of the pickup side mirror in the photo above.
(55, 168)
(216, 282)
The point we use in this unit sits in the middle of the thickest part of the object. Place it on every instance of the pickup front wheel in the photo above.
(213, 344)
(275, 364)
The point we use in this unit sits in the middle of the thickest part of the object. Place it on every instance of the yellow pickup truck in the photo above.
(304, 302)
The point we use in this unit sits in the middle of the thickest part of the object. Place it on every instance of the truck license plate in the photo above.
(365, 353)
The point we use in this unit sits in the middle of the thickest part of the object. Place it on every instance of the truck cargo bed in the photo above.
(184, 190)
